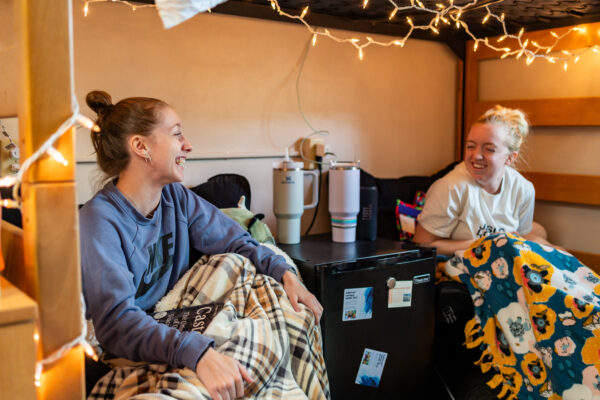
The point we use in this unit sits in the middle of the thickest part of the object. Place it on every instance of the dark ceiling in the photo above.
(350, 15)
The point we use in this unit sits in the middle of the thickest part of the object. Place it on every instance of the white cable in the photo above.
(57, 354)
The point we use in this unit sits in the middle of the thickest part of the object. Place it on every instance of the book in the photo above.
(194, 318)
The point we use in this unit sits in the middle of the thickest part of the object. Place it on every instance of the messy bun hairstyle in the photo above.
(137, 115)
(513, 120)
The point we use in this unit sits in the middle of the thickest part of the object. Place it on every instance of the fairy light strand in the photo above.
(449, 13)
(446, 13)
(76, 119)
(15, 181)
(60, 353)
(86, 6)
(45, 149)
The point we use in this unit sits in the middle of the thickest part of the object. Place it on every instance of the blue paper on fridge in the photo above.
(358, 304)
(371, 368)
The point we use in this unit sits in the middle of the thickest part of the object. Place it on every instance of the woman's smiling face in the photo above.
(487, 155)
(168, 148)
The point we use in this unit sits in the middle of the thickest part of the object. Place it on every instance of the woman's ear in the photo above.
(137, 145)
(512, 157)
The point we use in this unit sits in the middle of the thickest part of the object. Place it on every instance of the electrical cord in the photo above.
(319, 163)
(320, 132)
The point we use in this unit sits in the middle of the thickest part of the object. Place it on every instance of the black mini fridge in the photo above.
(385, 353)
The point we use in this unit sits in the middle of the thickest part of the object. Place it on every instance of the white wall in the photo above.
(232, 80)
(566, 150)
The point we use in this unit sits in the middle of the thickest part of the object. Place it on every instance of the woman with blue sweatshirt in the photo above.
(136, 236)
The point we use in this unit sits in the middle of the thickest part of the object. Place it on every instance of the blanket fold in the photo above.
(280, 348)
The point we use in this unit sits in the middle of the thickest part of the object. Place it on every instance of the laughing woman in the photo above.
(136, 234)
(483, 194)
(537, 308)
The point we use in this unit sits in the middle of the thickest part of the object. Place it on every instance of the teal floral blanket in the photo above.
(537, 318)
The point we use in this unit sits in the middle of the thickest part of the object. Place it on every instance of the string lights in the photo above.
(86, 6)
(448, 14)
(58, 354)
(451, 14)
(15, 181)
(45, 149)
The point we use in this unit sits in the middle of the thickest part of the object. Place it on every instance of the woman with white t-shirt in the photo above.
(483, 194)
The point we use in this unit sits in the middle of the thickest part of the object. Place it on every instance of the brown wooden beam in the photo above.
(9, 65)
(574, 40)
(50, 223)
(17, 348)
(566, 188)
(576, 111)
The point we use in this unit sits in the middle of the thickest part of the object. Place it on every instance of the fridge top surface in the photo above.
(320, 249)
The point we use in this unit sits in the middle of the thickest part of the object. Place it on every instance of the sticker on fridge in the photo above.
(371, 368)
(358, 304)
(401, 294)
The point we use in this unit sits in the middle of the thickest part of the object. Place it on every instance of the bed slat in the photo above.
(566, 188)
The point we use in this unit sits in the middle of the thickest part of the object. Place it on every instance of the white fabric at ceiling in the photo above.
(174, 12)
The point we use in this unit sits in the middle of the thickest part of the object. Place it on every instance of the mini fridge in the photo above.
(378, 319)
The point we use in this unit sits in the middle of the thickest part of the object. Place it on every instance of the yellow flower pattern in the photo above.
(534, 368)
(590, 354)
(479, 252)
(537, 319)
(579, 308)
(534, 273)
(542, 320)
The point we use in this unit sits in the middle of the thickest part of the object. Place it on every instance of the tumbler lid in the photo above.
(287, 163)
(345, 165)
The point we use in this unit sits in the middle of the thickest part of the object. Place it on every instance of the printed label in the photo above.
(400, 295)
(358, 304)
(421, 278)
(371, 368)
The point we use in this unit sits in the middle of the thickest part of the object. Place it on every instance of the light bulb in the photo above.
(304, 11)
(58, 157)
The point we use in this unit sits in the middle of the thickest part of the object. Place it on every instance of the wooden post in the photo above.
(17, 347)
(50, 221)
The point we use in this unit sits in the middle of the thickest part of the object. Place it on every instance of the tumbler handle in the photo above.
(315, 192)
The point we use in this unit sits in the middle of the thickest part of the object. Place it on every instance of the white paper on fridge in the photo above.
(371, 368)
(358, 304)
(401, 294)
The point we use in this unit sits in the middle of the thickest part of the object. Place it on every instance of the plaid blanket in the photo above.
(537, 318)
(280, 348)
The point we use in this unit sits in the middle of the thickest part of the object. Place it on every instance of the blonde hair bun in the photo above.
(513, 120)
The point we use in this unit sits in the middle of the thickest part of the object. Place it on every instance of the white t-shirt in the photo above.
(457, 208)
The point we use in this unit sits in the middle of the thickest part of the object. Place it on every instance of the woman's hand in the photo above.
(297, 293)
(222, 376)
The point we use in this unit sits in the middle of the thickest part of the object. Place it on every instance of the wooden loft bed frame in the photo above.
(48, 271)
(582, 111)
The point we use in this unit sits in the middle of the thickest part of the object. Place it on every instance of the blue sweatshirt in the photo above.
(129, 262)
